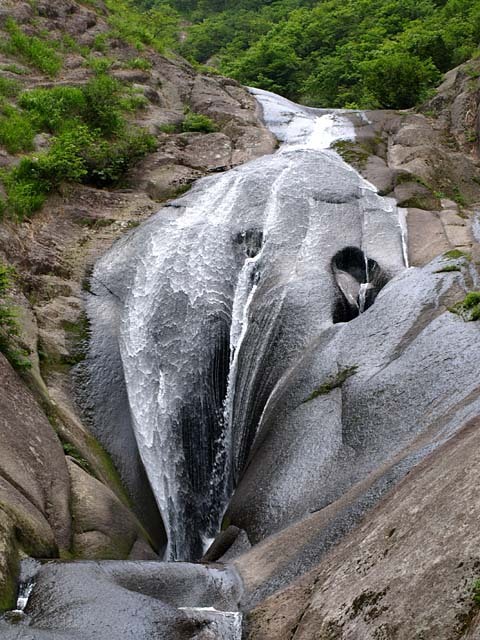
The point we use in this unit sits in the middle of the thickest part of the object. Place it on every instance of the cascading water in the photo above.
(214, 298)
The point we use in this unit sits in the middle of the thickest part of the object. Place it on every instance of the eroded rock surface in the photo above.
(406, 572)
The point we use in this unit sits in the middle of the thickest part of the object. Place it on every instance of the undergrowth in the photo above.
(92, 140)
(32, 50)
(9, 327)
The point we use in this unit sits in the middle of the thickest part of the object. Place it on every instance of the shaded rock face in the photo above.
(103, 527)
(34, 482)
(326, 458)
(406, 572)
(359, 280)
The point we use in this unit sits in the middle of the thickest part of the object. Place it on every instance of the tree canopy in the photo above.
(331, 53)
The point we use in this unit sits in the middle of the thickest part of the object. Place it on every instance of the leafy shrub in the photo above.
(92, 141)
(14, 68)
(16, 130)
(9, 329)
(138, 63)
(28, 184)
(156, 28)
(326, 52)
(398, 79)
(168, 128)
(32, 50)
(99, 66)
(198, 122)
(106, 161)
(51, 107)
(102, 104)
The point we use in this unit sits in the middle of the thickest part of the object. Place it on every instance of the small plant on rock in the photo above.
(468, 308)
(198, 122)
(332, 383)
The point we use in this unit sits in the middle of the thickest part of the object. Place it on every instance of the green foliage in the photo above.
(168, 128)
(9, 328)
(8, 88)
(102, 104)
(92, 142)
(198, 122)
(157, 27)
(456, 254)
(106, 161)
(31, 49)
(49, 108)
(468, 308)
(448, 268)
(15, 68)
(16, 130)
(72, 451)
(138, 63)
(398, 79)
(99, 66)
(476, 592)
(332, 383)
(332, 53)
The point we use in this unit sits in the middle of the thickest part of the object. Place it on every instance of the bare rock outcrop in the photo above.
(407, 572)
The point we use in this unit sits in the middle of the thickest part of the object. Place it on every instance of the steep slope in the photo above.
(52, 251)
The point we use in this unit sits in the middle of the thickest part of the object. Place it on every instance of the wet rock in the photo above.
(87, 601)
(359, 438)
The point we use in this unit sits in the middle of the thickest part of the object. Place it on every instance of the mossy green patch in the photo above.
(455, 254)
(448, 268)
(332, 383)
(468, 308)
(353, 153)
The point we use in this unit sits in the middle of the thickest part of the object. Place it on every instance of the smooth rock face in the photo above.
(204, 308)
(130, 600)
(103, 527)
(335, 455)
(34, 482)
(407, 572)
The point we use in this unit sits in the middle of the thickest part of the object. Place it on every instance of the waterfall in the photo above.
(213, 299)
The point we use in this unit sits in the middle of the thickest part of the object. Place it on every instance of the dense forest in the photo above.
(341, 53)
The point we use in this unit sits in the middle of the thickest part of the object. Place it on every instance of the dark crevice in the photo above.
(359, 279)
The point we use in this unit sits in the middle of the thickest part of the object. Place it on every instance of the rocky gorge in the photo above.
(335, 450)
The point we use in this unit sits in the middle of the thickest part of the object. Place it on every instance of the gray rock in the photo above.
(407, 571)
(87, 601)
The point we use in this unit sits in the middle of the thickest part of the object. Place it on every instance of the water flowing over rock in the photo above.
(199, 314)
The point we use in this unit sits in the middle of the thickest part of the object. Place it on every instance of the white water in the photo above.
(191, 293)
(228, 624)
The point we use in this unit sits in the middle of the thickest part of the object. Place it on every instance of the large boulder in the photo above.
(34, 481)
(103, 527)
